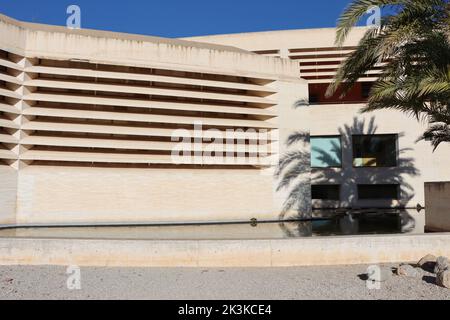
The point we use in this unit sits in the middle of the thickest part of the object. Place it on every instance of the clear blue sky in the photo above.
(178, 18)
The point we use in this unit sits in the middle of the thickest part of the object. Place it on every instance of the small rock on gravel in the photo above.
(408, 271)
(442, 264)
(428, 262)
(443, 279)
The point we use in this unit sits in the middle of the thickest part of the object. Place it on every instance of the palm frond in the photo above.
(414, 46)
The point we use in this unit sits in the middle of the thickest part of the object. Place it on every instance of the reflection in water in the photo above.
(346, 224)
(359, 223)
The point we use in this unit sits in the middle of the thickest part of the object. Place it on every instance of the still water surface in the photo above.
(360, 224)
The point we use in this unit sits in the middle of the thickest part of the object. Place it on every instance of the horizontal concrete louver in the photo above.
(10, 84)
(80, 113)
(319, 65)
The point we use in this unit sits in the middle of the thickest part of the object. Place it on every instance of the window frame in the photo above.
(341, 153)
(397, 153)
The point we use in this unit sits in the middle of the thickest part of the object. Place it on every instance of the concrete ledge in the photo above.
(223, 253)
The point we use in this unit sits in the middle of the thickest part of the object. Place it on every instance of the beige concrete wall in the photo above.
(100, 195)
(70, 194)
(35, 40)
(13, 37)
(8, 195)
(282, 40)
(224, 253)
(437, 199)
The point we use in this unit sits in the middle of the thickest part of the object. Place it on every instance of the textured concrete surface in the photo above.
(223, 253)
(343, 282)
(438, 206)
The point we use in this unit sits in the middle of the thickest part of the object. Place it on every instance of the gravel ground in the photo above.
(336, 282)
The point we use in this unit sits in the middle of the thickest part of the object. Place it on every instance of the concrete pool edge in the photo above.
(223, 253)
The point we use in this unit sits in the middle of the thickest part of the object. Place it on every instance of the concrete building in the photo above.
(88, 121)
(88, 117)
(358, 160)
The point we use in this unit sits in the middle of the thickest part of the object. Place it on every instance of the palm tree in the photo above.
(413, 46)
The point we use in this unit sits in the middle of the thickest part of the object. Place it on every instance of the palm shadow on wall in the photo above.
(295, 166)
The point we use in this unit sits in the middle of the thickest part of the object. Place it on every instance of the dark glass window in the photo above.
(375, 150)
(365, 89)
(378, 191)
(313, 98)
(325, 192)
